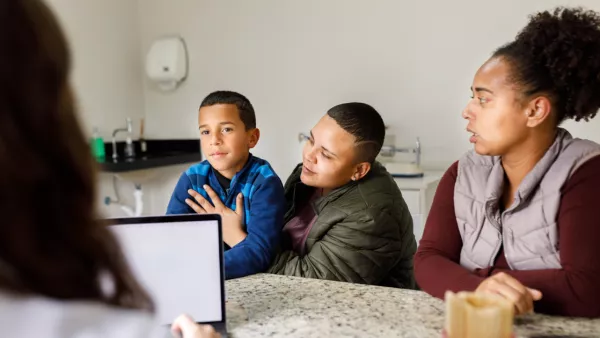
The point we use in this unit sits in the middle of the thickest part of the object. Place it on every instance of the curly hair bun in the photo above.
(558, 52)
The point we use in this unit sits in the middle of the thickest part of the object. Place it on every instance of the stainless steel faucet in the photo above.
(128, 129)
(390, 150)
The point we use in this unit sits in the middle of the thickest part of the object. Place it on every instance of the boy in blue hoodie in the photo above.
(242, 188)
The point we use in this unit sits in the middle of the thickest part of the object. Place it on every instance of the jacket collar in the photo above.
(494, 187)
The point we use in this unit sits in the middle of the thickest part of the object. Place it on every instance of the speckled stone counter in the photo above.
(279, 306)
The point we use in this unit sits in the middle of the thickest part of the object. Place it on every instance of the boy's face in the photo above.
(224, 139)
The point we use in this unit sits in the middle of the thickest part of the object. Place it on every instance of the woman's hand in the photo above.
(510, 288)
(185, 326)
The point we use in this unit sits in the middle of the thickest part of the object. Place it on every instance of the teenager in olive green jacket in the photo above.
(346, 217)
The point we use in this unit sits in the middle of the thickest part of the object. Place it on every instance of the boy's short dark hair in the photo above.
(243, 105)
(365, 124)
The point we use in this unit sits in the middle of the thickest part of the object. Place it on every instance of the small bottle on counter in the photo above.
(97, 145)
(143, 146)
(129, 149)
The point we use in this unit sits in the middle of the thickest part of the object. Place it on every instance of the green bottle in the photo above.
(97, 144)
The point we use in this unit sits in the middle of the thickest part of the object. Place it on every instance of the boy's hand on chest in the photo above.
(232, 220)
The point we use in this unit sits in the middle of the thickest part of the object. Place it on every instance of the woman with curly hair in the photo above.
(518, 215)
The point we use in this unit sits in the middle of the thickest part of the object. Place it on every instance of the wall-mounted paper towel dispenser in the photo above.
(167, 62)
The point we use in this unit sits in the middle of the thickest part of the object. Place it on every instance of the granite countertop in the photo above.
(280, 306)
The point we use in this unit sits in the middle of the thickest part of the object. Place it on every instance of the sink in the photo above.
(160, 153)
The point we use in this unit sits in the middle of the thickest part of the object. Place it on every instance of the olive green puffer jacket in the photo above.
(363, 233)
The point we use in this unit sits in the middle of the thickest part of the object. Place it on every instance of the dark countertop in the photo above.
(160, 153)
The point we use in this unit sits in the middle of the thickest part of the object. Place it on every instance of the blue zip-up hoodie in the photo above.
(264, 205)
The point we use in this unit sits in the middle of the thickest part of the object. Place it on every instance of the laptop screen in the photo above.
(178, 259)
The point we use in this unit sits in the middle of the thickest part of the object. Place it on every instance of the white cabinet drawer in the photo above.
(418, 194)
(418, 227)
(413, 200)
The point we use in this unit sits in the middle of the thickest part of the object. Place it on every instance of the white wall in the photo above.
(412, 60)
(107, 76)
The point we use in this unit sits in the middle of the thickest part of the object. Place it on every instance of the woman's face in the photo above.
(329, 156)
(497, 119)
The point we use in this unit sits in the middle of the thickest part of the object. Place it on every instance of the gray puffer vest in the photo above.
(528, 229)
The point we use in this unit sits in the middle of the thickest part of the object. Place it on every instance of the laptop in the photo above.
(179, 261)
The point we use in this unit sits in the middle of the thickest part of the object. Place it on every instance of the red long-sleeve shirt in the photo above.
(573, 290)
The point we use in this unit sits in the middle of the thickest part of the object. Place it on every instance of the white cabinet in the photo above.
(418, 194)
